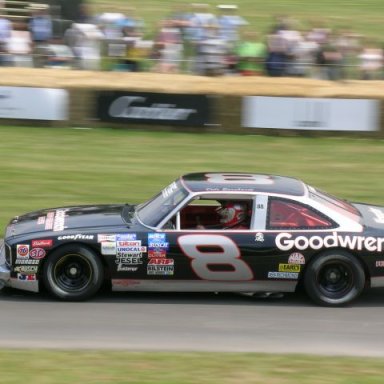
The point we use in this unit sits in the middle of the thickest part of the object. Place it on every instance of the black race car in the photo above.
(220, 232)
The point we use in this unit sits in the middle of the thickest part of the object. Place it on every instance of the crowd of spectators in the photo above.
(189, 40)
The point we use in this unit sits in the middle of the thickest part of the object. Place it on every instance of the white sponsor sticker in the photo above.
(283, 275)
(285, 242)
(296, 258)
(108, 248)
(22, 251)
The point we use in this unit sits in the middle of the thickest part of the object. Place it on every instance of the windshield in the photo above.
(341, 206)
(153, 211)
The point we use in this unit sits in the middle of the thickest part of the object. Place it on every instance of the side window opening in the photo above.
(287, 214)
(214, 214)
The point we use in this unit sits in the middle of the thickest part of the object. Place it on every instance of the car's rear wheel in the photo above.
(334, 278)
(73, 273)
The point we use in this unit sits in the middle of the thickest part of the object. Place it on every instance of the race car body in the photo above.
(288, 235)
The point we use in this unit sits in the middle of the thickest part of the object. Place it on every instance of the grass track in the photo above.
(41, 367)
(46, 167)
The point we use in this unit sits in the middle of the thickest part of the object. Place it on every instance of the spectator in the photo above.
(229, 24)
(58, 55)
(212, 53)
(168, 48)
(251, 55)
(371, 61)
(19, 45)
(5, 34)
(41, 29)
(330, 59)
(84, 40)
(276, 61)
(302, 56)
(40, 25)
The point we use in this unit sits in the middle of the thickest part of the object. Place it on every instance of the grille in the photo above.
(2, 252)
(8, 254)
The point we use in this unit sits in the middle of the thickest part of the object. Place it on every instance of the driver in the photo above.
(232, 215)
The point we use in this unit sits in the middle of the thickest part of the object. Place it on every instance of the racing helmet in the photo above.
(232, 214)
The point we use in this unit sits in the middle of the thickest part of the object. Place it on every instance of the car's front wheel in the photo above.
(73, 273)
(334, 278)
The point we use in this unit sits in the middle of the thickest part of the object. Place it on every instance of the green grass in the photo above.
(364, 16)
(47, 167)
(41, 367)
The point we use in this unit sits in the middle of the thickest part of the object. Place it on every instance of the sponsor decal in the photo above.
(157, 237)
(259, 237)
(160, 269)
(49, 221)
(37, 253)
(59, 221)
(126, 237)
(44, 243)
(283, 275)
(154, 108)
(296, 258)
(125, 268)
(102, 238)
(161, 261)
(285, 242)
(24, 277)
(166, 192)
(129, 243)
(289, 268)
(379, 215)
(131, 249)
(108, 248)
(125, 282)
(158, 245)
(76, 237)
(26, 262)
(129, 260)
(26, 269)
(157, 253)
(126, 107)
(379, 263)
(41, 220)
(22, 250)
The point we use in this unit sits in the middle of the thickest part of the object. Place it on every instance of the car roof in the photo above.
(243, 182)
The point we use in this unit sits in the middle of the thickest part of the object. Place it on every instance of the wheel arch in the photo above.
(88, 246)
(323, 252)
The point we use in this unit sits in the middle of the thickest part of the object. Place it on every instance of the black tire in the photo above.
(334, 279)
(73, 273)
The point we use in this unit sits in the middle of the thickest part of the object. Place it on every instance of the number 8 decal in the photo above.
(224, 251)
(238, 178)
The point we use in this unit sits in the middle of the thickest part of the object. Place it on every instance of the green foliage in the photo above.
(47, 167)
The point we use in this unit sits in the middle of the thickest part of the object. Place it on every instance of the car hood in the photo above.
(373, 215)
(71, 218)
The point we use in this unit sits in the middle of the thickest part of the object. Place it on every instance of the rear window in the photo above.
(341, 206)
(287, 214)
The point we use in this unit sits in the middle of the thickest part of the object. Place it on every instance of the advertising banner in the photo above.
(316, 114)
(153, 108)
(33, 103)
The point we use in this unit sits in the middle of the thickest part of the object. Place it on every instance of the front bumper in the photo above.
(5, 276)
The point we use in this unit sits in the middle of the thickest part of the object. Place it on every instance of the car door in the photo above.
(219, 259)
